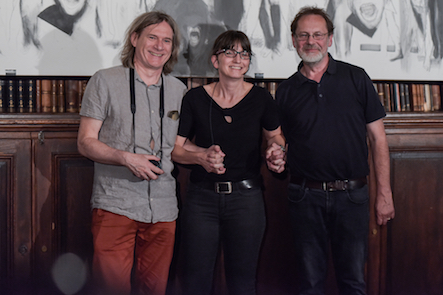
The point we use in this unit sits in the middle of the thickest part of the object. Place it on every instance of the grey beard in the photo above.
(311, 58)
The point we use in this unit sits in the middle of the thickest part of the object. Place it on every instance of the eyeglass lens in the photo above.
(233, 53)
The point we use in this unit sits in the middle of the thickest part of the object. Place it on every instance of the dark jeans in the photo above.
(338, 219)
(237, 222)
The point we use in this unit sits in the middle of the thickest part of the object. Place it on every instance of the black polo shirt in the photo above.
(325, 123)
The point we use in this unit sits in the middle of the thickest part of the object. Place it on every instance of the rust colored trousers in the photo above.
(124, 247)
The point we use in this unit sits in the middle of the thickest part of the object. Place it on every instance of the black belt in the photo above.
(227, 187)
(336, 185)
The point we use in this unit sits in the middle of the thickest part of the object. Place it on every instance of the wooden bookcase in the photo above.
(45, 187)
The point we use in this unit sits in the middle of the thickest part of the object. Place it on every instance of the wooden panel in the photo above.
(5, 196)
(415, 242)
(63, 184)
(15, 212)
(73, 187)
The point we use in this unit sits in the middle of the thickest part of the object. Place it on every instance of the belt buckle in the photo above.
(335, 185)
(338, 185)
(223, 187)
(324, 186)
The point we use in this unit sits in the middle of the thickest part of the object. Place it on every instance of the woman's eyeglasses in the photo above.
(232, 53)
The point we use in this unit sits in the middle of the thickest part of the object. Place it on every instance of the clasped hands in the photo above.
(213, 160)
(275, 158)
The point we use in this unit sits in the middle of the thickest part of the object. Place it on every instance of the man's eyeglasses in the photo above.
(305, 36)
(232, 53)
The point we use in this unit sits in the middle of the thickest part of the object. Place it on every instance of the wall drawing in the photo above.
(391, 39)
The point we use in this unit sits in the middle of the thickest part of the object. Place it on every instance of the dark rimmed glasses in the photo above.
(231, 53)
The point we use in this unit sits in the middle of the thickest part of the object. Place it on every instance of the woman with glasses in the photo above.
(224, 205)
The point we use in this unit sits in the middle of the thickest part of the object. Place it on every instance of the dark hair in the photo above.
(228, 39)
(309, 10)
(138, 25)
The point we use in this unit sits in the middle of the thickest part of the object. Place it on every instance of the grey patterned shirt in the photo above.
(116, 188)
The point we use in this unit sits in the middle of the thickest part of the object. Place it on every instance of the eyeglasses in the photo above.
(305, 36)
(231, 53)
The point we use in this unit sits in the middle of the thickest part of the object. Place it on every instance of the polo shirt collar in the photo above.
(332, 69)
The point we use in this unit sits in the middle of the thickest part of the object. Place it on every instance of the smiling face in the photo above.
(232, 67)
(153, 46)
(310, 50)
(369, 12)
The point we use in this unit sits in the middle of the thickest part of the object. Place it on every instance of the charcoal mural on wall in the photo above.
(391, 39)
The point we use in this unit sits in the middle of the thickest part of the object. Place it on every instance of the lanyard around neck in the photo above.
(161, 110)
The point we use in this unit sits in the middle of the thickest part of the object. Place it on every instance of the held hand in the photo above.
(213, 160)
(384, 209)
(141, 166)
(275, 158)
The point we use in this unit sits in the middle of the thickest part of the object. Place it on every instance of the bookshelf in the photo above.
(63, 94)
(41, 94)
(410, 96)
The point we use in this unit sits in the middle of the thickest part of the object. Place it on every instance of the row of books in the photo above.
(65, 95)
(41, 95)
(407, 97)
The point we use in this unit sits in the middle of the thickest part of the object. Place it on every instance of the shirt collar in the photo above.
(137, 77)
(331, 70)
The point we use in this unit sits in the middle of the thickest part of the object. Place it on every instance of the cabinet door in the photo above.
(415, 238)
(63, 185)
(15, 209)
(415, 242)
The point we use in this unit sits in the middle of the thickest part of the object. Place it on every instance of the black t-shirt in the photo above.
(325, 123)
(240, 140)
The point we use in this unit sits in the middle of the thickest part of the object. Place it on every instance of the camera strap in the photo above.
(161, 110)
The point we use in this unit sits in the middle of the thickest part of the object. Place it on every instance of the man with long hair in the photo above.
(129, 121)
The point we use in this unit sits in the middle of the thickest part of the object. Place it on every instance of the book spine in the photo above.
(436, 97)
(38, 96)
(414, 95)
(387, 96)
(261, 84)
(272, 88)
(46, 96)
(2, 96)
(421, 98)
(61, 96)
(20, 107)
(407, 98)
(392, 97)
(54, 96)
(427, 106)
(10, 96)
(396, 97)
(72, 89)
(31, 96)
(381, 93)
(402, 97)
